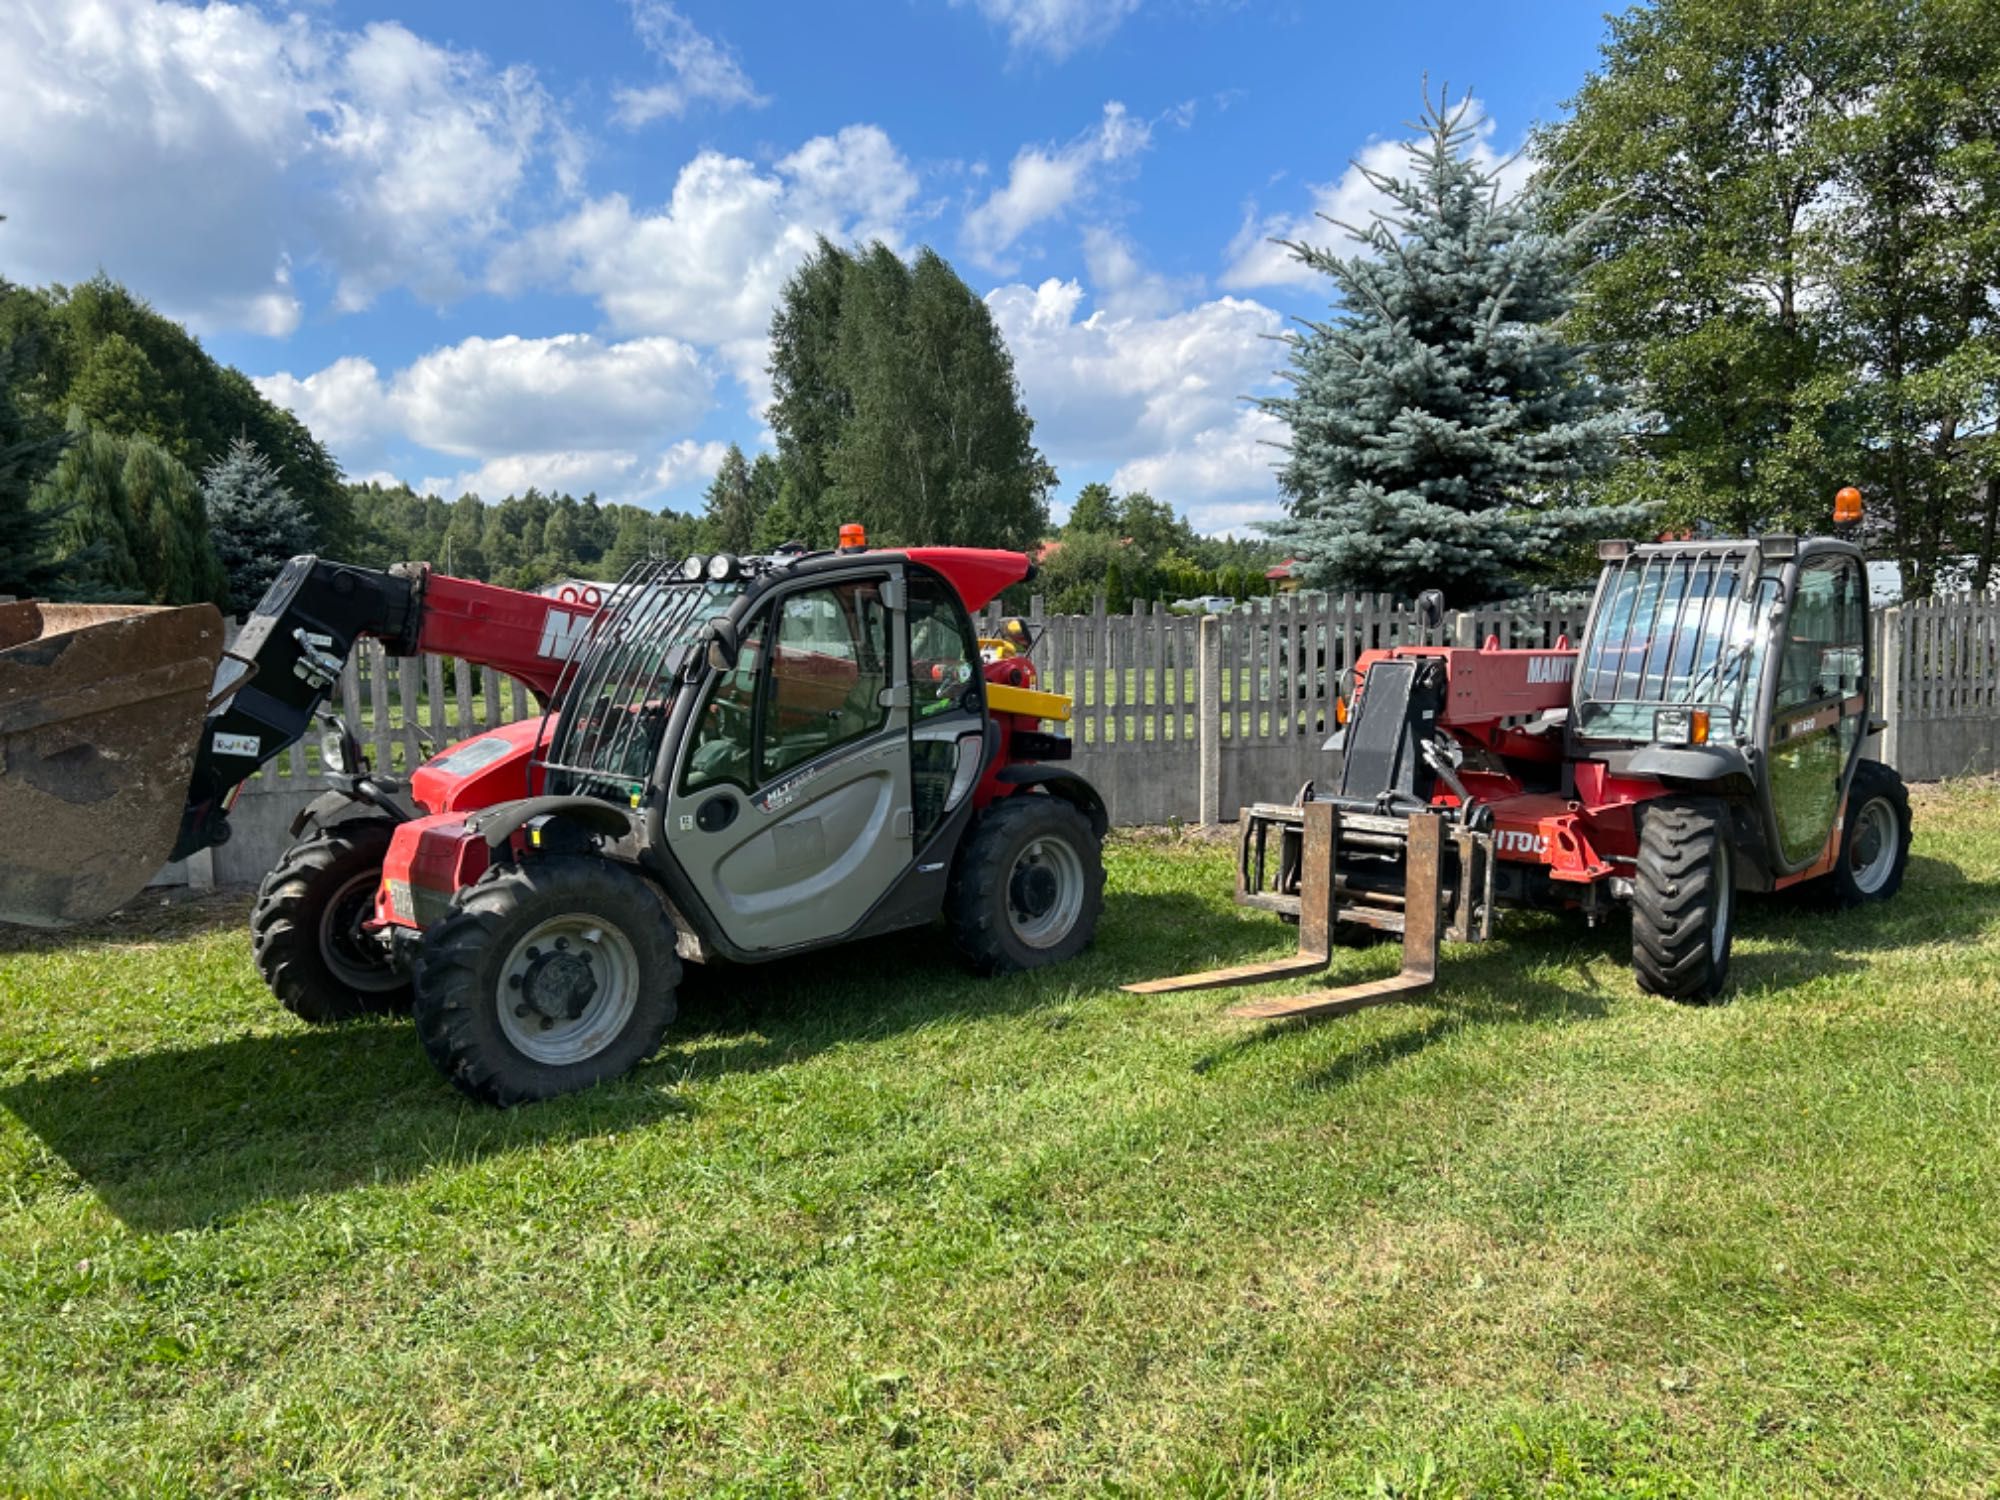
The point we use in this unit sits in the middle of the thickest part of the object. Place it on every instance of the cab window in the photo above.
(827, 670)
(946, 742)
(725, 733)
(1822, 645)
(944, 650)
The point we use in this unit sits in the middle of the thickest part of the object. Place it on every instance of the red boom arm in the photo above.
(529, 636)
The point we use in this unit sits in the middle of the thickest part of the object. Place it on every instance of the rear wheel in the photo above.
(1029, 886)
(1875, 838)
(1683, 899)
(305, 930)
(546, 978)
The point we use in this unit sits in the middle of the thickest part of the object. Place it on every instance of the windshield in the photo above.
(1674, 628)
(618, 687)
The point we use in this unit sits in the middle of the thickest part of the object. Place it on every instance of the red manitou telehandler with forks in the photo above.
(1708, 739)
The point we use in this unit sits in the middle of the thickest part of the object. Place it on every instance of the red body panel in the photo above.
(1010, 671)
(1489, 686)
(978, 573)
(488, 768)
(1580, 839)
(430, 859)
(524, 635)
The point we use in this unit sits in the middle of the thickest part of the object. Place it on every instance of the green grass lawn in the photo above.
(868, 1225)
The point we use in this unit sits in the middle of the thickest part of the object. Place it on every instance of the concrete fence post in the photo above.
(1464, 630)
(1208, 715)
(1889, 683)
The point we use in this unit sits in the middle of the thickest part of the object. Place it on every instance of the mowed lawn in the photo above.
(867, 1225)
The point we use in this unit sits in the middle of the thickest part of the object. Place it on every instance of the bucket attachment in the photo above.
(101, 707)
(1423, 875)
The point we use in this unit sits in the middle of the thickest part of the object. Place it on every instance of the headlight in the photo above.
(1681, 726)
(693, 566)
(333, 752)
(723, 568)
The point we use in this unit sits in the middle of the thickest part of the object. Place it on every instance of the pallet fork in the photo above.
(1434, 901)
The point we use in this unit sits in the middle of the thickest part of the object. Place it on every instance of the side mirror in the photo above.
(723, 645)
(1430, 609)
(1014, 631)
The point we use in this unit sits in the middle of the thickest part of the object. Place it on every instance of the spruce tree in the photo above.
(1442, 426)
(729, 522)
(257, 525)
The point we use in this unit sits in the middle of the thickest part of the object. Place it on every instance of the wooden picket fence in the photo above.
(1137, 682)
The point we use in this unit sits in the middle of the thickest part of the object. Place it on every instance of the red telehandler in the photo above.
(1709, 738)
(740, 758)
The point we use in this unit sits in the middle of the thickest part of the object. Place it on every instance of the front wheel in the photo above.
(1028, 887)
(1684, 899)
(306, 932)
(545, 978)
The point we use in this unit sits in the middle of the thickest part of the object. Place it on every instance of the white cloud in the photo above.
(202, 154)
(570, 411)
(1122, 282)
(604, 474)
(344, 404)
(687, 463)
(702, 70)
(1159, 396)
(709, 264)
(1224, 476)
(1041, 183)
(1103, 386)
(1254, 260)
(433, 148)
(1055, 28)
(567, 392)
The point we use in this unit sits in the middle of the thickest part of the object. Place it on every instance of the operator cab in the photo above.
(1738, 665)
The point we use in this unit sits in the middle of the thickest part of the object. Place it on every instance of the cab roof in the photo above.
(978, 573)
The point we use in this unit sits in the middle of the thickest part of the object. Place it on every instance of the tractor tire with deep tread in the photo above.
(546, 977)
(1684, 899)
(1874, 839)
(305, 927)
(1028, 885)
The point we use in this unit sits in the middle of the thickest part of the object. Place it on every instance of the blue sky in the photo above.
(487, 245)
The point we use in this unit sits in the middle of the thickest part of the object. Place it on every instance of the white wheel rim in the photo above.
(1725, 901)
(341, 942)
(1871, 849)
(567, 989)
(1038, 918)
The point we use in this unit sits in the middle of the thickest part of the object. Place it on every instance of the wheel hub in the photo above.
(559, 982)
(1034, 890)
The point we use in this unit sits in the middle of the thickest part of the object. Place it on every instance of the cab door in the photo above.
(1818, 705)
(790, 810)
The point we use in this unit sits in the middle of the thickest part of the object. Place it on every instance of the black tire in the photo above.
(1874, 839)
(1004, 916)
(513, 1002)
(304, 930)
(1684, 899)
